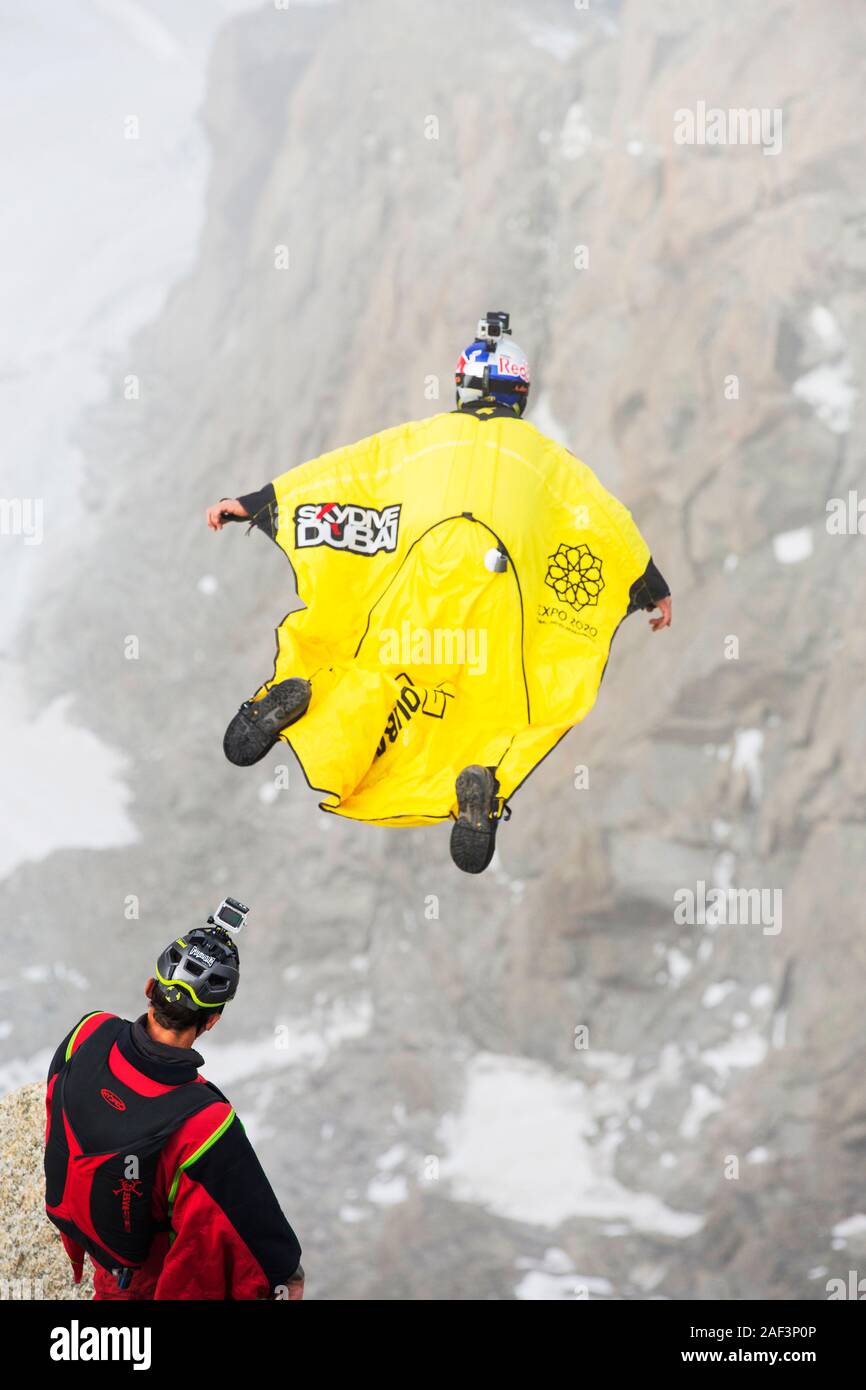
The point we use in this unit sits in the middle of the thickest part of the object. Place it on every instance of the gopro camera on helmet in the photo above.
(493, 326)
(201, 969)
(230, 915)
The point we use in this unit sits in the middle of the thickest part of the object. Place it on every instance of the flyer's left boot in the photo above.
(473, 834)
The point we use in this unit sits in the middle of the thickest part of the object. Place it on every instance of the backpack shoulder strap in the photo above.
(75, 1040)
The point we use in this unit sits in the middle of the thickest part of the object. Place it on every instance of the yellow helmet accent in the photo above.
(181, 984)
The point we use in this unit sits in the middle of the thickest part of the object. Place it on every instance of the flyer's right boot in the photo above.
(258, 723)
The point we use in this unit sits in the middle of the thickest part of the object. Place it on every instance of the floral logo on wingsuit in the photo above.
(574, 574)
(347, 526)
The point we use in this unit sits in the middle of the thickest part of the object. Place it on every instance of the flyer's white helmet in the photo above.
(493, 365)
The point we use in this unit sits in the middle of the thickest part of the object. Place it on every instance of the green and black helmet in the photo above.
(200, 970)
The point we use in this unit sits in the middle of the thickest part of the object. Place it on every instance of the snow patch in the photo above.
(758, 1155)
(309, 1042)
(744, 1050)
(703, 1103)
(790, 547)
(854, 1226)
(392, 1158)
(64, 788)
(554, 1279)
(614, 1066)
(678, 965)
(538, 1285)
(762, 996)
(748, 747)
(715, 993)
(351, 1215)
(825, 325)
(830, 392)
(525, 1145)
(576, 136)
(388, 1190)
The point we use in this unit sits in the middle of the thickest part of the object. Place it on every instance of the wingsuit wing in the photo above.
(424, 650)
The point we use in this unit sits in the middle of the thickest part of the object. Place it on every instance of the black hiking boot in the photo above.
(256, 726)
(473, 834)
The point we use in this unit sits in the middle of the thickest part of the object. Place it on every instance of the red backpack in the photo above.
(102, 1150)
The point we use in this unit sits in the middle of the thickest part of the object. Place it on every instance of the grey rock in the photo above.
(704, 263)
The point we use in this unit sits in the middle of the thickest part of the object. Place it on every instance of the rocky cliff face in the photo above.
(33, 1264)
(543, 1083)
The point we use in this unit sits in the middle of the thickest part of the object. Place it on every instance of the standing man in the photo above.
(148, 1169)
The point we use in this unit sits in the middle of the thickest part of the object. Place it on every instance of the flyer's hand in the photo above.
(663, 608)
(222, 511)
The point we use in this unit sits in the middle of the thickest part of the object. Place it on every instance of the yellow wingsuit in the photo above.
(426, 648)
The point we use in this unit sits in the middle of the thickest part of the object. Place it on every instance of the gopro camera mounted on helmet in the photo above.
(201, 969)
(230, 916)
(493, 326)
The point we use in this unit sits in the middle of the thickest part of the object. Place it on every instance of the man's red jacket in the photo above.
(223, 1234)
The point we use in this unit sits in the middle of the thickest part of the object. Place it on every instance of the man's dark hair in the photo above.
(177, 1017)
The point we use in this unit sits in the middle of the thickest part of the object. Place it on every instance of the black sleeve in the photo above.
(231, 1174)
(646, 591)
(262, 509)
